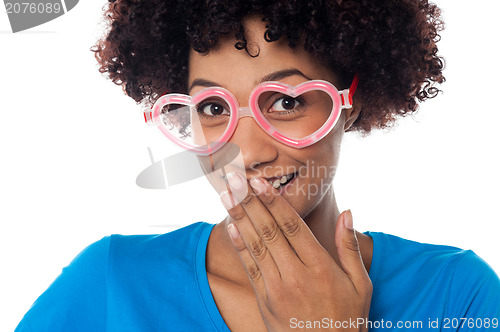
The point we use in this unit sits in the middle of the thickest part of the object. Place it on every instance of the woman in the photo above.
(285, 257)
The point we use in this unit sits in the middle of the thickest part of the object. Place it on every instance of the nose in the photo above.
(256, 146)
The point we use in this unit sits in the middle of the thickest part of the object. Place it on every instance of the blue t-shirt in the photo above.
(159, 283)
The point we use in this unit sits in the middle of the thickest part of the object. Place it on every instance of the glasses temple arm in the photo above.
(346, 95)
(353, 87)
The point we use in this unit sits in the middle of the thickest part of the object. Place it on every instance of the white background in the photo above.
(72, 145)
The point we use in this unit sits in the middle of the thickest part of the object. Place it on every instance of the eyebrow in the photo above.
(274, 76)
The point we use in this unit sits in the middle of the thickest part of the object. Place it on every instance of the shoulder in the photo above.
(437, 277)
(173, 242)
(146, 251)
(132, 246)
(103, 274)
(474, 288)
(394, 252)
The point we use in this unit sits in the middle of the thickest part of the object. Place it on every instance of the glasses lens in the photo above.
(197, 125)
(296, 117)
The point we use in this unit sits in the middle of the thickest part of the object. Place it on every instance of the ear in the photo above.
(351, 114)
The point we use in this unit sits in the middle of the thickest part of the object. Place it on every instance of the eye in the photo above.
(213, 109)
(285, 104)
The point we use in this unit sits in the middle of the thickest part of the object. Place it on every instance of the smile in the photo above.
(279, 182)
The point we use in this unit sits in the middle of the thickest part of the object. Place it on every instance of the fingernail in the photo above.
(235, 180)
(226, 200)
(348, 219)
(258, 185)
(233, 231)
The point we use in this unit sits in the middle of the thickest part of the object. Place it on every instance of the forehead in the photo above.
(239, 71)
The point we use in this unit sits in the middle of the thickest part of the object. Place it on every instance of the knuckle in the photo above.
(241, 247)
(290, 226)
(270, 200)
(319, 270)
(269, 232)
(248, 200)
(297, 284)
(238, 215)
(352, 245)
(257, 248)
(253, 272)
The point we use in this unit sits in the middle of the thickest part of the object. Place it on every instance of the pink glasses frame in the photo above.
(341, 100)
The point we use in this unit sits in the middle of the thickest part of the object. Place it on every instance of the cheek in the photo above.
(322, 158)
(219, 164)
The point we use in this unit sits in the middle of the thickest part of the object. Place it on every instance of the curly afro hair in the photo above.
(390, 44)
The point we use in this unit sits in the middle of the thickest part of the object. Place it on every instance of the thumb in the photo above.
(349, 252)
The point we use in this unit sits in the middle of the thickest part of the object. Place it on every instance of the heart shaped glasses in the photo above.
(297, 116)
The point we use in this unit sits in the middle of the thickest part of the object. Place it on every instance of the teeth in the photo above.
(278, 182)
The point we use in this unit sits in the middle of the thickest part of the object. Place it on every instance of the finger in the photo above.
(349, 253)
(293, 227)
(253, 271)
(254, 245)
(265, 226)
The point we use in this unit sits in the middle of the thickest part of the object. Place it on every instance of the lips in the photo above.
(277, 181)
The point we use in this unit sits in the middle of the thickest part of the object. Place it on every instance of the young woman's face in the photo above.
(260, 154)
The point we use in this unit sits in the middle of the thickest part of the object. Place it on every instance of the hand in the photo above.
(294, 278)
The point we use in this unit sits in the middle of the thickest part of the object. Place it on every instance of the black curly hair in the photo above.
(390, 44)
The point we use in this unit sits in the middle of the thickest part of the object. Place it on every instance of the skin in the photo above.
(327, 264)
